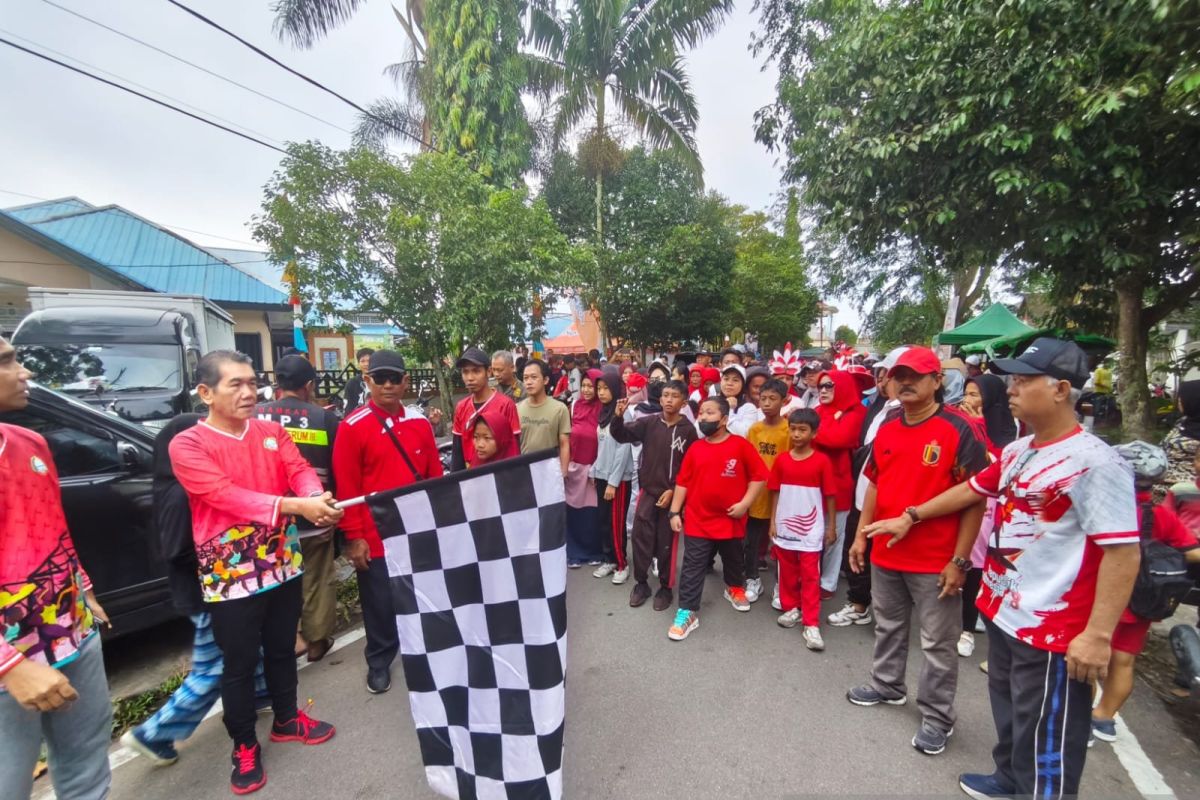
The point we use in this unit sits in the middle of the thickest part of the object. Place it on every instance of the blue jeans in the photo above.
(185, 709)
(77, 736)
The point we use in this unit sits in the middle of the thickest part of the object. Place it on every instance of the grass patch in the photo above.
(348, 605)
(131, 711)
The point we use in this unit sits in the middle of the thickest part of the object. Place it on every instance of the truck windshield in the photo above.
(84, 369)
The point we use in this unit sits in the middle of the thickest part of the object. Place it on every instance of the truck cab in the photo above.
(137, 363)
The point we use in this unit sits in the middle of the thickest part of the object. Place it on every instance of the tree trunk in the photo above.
(445, 389)
(1133, 341)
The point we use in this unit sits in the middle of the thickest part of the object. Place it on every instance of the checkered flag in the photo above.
(478, 568)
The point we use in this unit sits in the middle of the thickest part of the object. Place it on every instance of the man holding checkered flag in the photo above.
(477, 565)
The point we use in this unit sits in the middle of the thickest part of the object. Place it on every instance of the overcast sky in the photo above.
(64, 134)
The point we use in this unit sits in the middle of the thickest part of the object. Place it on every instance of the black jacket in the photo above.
(173, 518)
(663, 447)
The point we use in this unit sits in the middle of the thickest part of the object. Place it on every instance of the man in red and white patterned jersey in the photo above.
(246, 480)
(1060, 568)
(52, 681)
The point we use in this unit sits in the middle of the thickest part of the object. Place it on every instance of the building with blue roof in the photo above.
(68, 243)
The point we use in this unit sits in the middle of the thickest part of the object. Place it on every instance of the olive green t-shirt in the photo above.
(542, 425)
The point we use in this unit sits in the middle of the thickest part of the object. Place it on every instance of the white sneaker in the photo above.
(620, 576)
(604, 570)
(812, 638)
(966, 644)
(776, 603)
(654, 567)
(789, 619)
(849, 615)
(754, 589)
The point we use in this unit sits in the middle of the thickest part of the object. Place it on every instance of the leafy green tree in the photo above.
(772, 297)
(628, 51)
(667, 264)
(425, 242)
(845, 333)
(1049, 136)
(461, 76)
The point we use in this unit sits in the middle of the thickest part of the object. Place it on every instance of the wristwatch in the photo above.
(673, 514)
(912, 514)
(962, 563)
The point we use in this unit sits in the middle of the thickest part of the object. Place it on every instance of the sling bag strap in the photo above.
(387, 426)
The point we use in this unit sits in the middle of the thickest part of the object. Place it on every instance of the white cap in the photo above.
(891, 358)
(974, 361)
(738, 367)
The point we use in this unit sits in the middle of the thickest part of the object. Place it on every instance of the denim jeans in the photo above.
(76, 736)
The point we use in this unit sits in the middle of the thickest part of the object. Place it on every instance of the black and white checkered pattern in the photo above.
(478, 575)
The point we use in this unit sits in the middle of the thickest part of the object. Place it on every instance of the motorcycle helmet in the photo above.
(1148, 461)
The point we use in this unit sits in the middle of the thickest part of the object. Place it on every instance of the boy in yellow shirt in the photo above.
(770, 438)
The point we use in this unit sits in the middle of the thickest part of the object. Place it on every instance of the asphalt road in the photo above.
(739, 709)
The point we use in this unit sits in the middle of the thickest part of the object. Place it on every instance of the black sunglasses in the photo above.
(825, 385)
(387, 376)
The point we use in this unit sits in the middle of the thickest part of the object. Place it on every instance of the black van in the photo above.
(105, 464)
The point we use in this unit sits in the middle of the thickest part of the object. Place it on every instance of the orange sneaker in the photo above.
(736, 596)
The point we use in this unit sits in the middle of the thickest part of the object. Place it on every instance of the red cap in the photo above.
(636, 381)
(921, 360)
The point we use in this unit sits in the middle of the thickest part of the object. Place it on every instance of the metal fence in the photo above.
(332, 382)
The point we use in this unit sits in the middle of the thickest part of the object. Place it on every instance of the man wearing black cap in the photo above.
(313, 429)
(474, 364)
(1060, 568)
(380, 446)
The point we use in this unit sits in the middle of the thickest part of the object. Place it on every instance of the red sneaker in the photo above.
(248, 773)
(302, 729)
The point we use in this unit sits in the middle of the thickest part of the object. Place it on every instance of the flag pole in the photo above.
(354, 501)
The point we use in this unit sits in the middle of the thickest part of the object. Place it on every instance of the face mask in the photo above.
(708, 427)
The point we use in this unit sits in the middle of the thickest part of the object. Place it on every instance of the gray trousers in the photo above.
(77, 736)
(831, 559)
(894, 598)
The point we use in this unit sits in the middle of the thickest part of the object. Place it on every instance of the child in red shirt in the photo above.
(803, 514)
(1149, 464)
(492, 438)
(719, 480)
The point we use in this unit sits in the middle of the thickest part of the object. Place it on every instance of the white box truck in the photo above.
(132, 353)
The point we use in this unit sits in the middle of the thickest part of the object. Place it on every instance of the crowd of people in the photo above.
(958, 496)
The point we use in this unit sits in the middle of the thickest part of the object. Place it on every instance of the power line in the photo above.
(141, 86)
(304, 77)
(136, 93)
(205, 70)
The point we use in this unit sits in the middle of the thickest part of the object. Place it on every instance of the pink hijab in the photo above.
(585, 419)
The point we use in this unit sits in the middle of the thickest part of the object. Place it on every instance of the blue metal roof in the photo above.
(254, 263)
(154, 257)
(556, 325)
(39, 212)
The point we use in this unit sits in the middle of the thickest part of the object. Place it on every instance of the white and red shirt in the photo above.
(43, 615)
(365, 460)
(803, 487)
(1058, 504)
(235, 485)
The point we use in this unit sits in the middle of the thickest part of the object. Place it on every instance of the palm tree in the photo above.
(303, 22)
(629, 51)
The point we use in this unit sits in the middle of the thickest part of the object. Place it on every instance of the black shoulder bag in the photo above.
(386, 422)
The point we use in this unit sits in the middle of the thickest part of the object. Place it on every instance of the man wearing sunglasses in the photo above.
(380, 446)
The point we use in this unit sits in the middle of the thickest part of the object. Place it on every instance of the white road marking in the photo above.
(1145, 776)
(123, 755)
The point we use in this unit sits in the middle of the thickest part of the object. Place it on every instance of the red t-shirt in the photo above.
(910, 464)
(716, 477)
(803, 487)
(463, 424)
(1169, 530)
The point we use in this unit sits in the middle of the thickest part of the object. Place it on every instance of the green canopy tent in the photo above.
(995, 321)
(1006, 346)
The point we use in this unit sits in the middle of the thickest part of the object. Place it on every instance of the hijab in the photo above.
(507, 445)
(585, 416)
(997, 418)
(660, 367)
(653, 402)
(846, 394)
(953, 384)
(610, 377)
